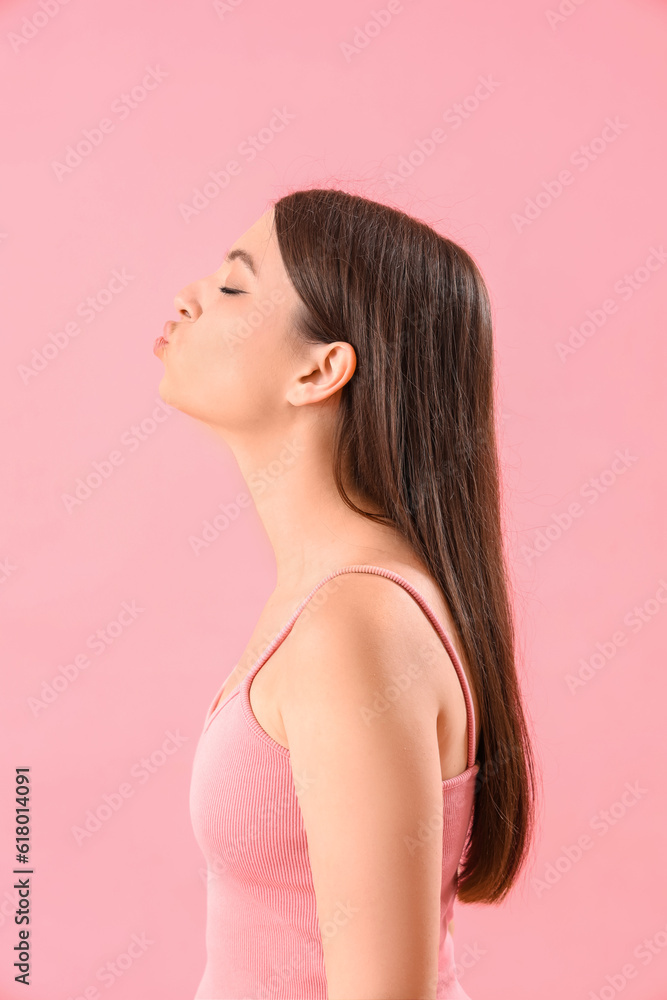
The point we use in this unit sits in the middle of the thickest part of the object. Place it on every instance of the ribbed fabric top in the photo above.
(262, 934)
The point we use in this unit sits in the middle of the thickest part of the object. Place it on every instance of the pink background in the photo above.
(572, 926)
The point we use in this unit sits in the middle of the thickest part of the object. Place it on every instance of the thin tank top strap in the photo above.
(426, 608)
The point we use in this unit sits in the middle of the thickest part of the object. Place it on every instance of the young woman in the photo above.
(374, 762)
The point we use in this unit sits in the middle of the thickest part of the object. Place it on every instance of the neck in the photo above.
(311, 529)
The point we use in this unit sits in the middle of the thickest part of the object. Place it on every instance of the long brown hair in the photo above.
(416, 437)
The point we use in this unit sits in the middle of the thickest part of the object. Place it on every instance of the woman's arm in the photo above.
(366, 766)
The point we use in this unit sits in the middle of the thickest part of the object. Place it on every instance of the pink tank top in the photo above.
(262, 933)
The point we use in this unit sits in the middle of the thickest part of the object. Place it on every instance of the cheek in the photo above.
(254, 352)
(230, 378)
(199, 374)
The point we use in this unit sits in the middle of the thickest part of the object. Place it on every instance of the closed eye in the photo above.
(231, 291)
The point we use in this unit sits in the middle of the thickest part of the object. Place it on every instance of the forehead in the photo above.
(260, 243)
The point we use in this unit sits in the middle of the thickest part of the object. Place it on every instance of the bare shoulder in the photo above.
(364, 635)
(364, 644)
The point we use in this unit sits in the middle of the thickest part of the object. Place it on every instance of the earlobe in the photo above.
(310, 389)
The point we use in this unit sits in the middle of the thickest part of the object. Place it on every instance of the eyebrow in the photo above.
(244, 257)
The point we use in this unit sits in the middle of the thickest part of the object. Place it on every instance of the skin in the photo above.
(259, 394)
(259, 389)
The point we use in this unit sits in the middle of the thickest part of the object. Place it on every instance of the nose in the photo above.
(186, 303)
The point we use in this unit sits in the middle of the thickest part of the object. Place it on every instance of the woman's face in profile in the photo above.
(228, 356)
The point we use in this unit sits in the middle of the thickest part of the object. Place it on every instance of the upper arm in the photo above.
(367, 773)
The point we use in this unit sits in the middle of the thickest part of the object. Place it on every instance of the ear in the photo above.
(324, 370)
